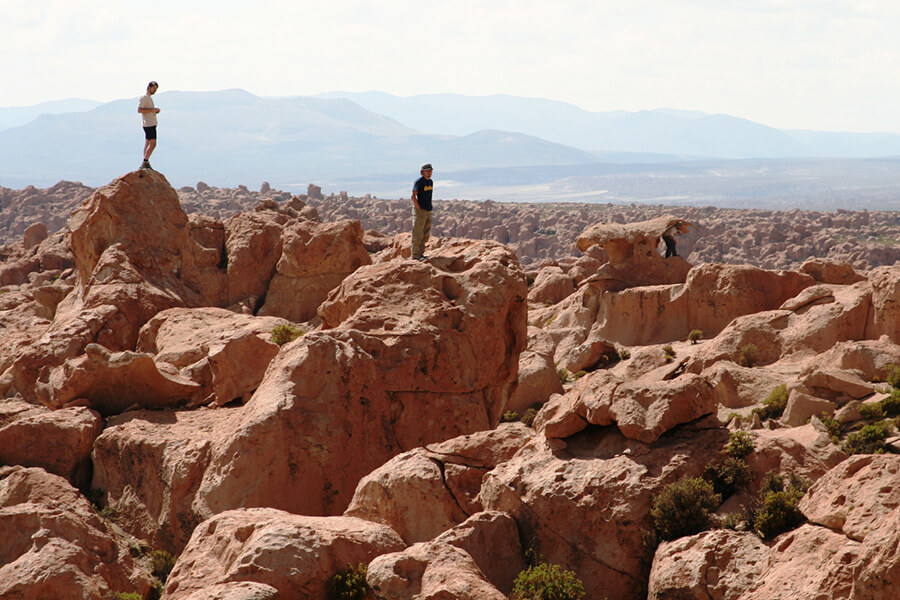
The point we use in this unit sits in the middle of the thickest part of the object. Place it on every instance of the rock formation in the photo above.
(265, 400)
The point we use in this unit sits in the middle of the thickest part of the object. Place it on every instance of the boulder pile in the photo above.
(271, 405)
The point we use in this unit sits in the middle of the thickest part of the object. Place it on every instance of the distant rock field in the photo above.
(763, 238)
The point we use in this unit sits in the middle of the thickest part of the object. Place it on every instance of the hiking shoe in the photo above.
(146, 165)
(420, 258)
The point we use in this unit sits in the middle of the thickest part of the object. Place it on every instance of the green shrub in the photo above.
(732, 521)
(869, 439)
(624, 353)
(509, 416)
(891, 405)
(563, 375)
(871, 410)
(893, 376)
(528, 417)
(163, 563)
(695, 336)
(748, 355)
(126, 596)
(835, 428)
(350, 584)
(728, 476)
(777, 511)
(682, 508)
(282, 334)
(580, 374)
(740, 444)
(669, 351)
(774, 404)
(547, 582)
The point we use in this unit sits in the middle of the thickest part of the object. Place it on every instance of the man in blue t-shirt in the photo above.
(421, 197)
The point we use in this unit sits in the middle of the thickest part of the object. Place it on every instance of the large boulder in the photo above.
(226, 352)
(59, 441)
(315, 259)
(426, 491)
(885, 316)
(585, 504)
(538, 378)
(55, 545)
(295, 555)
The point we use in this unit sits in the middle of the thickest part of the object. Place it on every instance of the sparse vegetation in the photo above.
(163, 563)
(546, 581)
(740, 444)
(728, 476)
(282, 334)
(871, 410)
(893, 376)
(834, 427)
(624, 353)
(509, 416)
(669, 351)
(126, 596)
(528, 417)
(869, 439)
(695, 336)
(563, 374)
(350, 584)
(891, 405)
(682, 508)
(774, 404)
(749, 354)
(580, 374)
(732, 521)
(777, 511)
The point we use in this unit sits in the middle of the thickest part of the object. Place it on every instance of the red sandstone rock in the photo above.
(426, 491)
(550, 286)
(295, 555)
(59, 441)
(538, 378)
(56, 546)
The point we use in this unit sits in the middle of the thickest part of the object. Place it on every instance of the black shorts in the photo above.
(150, 132)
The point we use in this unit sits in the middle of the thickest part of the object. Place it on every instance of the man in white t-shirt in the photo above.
(148, 115)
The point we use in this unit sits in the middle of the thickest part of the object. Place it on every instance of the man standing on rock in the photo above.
(421, 197)
(148, 115)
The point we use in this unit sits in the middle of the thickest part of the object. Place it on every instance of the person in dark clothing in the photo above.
(669, 239)
(421, 197)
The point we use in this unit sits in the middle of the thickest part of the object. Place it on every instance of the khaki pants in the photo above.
(421, 231)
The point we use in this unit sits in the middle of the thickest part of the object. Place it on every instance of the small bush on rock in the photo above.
(869, 439)
(695, 336)
(624, 353)
(528, 417)
(891, 405)
(774, 404)
(563, 375)
(871, 410)
(728, 476)
(669, 351)
(282, 334)
(749, 355)
(834, 427)
(740, 444)
(893, 376)
(682, 508)
(163, 563)
(777, 511)
(509, 416)
(350, 584)
(547, 582)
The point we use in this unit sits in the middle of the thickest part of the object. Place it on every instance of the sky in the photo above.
(792, 64)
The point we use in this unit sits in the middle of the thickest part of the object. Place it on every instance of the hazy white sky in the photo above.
(814, 64)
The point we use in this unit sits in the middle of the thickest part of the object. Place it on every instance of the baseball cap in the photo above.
(426, 167)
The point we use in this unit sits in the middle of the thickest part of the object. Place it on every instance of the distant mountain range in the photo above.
(375, 139)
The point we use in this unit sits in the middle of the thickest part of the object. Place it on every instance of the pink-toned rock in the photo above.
(835, 384)
(584, 506)
(869, 359)
(830, 271)
(295, 555)
(550, 286)
(857, 497)
(808, 563)
(426, 491)
(593, 352)
(34, 235)
(719, 564)
(226, 352)
(56, 546)
(240, 590)
(491, 538)
(803, 451)
(315, 259)
(538, 378)
(640, 411)
(885, 317)
(58, 441)
(112, 382)
(253, 245)
(149, 464)
(430, 570)
(738, 387)
(800, 407)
